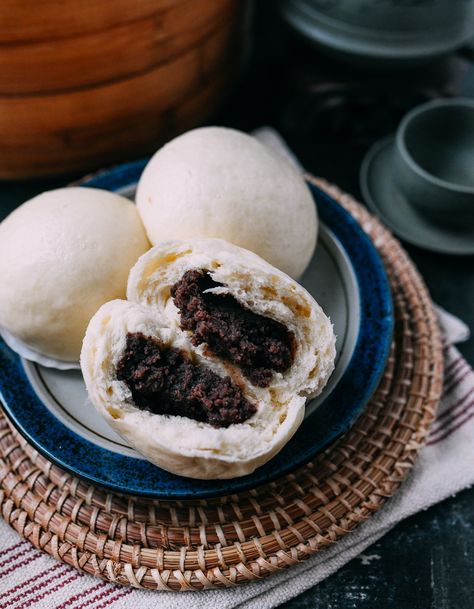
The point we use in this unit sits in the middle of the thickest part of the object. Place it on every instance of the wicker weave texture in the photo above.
(227, 541)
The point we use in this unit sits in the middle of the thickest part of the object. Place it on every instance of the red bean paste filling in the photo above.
(258, 345)
(165, 381)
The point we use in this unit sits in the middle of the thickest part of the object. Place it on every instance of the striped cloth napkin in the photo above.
(29, 578)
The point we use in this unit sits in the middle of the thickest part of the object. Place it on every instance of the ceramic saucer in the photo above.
(383, 196)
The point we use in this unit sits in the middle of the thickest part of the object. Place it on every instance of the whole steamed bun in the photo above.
(218, 182)
(62, 255)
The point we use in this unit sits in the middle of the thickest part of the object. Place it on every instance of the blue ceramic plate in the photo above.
(50, 407)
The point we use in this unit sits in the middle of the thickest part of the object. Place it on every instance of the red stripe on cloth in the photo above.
(27, 561)
(455, 417)
(27, 582)
(27, 550)
(119, 595)
(458, 379)
(32, 601)
(451, 430)
(110, 589)
(448, 377)
(449, 410)
(80, 595)
(13, 547)
(452, 364)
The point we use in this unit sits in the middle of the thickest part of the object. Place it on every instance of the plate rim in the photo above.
(120, 173)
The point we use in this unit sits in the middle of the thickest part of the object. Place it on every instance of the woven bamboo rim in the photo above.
(184, 545)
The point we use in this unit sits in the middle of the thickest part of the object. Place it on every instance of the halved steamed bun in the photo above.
(207, 367)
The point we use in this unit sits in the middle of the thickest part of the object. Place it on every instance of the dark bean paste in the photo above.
(165, 381)
(258, 345)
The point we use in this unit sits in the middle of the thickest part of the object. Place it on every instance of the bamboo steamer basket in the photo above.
(87, 83)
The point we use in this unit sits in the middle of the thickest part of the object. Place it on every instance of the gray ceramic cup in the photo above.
(433, 160)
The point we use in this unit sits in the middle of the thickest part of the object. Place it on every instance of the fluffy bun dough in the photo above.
(179, 444)
(218, 182)
(62, 255)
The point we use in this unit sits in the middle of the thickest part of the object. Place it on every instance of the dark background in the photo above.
(330, 115)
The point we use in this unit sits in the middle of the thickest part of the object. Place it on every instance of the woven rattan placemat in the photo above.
(218, 543)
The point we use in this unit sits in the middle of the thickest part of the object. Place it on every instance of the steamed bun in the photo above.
(62, 255)
(183, 443)
(218, 182)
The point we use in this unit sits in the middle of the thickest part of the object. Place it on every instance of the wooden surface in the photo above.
(22, 20)
(74, 100)
(60, 63)
(60, 132)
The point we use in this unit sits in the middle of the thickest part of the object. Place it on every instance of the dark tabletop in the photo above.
(330, 115)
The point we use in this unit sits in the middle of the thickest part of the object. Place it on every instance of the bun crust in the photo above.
(62, 255)
(179, 444)
(193, 188)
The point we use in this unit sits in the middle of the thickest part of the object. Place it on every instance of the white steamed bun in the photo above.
(62, 255)
(219, 182)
